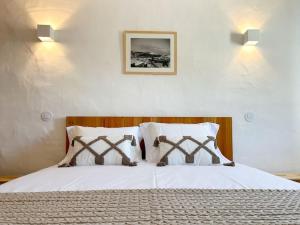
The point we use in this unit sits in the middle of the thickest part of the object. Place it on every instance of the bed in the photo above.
(147, 194)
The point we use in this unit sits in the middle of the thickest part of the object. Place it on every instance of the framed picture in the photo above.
(150, 52)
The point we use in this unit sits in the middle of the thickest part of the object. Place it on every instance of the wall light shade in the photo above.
(45, 32)
(251, 37)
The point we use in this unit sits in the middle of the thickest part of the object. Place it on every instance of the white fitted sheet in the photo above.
(146, 176)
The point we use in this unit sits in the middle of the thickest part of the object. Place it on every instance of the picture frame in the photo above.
(150, 52)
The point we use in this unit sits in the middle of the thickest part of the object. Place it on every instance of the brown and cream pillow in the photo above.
(102, 150)
(188, 150)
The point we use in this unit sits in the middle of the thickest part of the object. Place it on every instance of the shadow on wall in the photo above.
(237, 38)
(31, 151)
(263, 67)
(16, 36)
(92, 44)
(29, 78)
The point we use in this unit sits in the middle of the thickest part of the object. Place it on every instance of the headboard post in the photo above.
(224, 137)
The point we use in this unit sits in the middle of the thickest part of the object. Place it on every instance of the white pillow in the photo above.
(74, 131)
(102, 150)
(151, 131)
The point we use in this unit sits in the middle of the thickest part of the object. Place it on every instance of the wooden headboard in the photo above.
(224, 137)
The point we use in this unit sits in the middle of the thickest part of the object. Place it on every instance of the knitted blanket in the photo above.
(156, 206)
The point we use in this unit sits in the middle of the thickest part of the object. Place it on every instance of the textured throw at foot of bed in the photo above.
(178, 206)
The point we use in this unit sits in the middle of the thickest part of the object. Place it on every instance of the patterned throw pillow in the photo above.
(103, 150)
(188, 150)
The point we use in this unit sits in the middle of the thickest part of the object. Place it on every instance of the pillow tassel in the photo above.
(156, 143)
(73, 161)
(133, 142)
(189, 159)
(73, 142)
(215, 159)
(64, 165)
(99, 160)
(75, 139)
(132, 164)
(215, 144)
(160, 164)
(229, 164)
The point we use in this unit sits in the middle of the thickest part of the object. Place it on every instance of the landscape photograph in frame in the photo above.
(150, 52)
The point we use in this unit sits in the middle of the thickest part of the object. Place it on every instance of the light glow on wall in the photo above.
(58, 17)
(52, 58)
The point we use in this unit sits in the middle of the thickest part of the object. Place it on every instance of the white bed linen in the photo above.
(146, 176)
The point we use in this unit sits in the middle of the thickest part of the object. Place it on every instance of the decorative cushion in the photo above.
(102, 150)
(74, 131)
(187, 150)
(151, 131)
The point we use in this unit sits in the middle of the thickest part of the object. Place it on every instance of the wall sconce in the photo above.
(45, 33)
(251, 37)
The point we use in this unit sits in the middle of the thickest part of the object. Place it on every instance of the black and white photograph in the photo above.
(150, 53)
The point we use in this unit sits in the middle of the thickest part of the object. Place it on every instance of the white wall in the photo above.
(80, 74)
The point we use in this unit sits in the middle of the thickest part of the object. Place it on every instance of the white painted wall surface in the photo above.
(80, 74)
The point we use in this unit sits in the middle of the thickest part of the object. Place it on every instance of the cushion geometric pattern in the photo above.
(189, 157)
(99, 158)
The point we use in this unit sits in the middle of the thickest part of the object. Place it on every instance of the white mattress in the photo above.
(146, 176)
